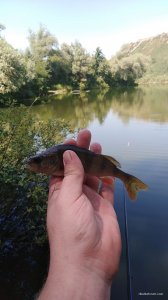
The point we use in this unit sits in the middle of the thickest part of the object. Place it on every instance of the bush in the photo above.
(101, 83)
(24, 194)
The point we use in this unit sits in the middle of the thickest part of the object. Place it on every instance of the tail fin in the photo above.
(133, 185)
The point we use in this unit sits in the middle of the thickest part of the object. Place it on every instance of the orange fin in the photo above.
(108, 180)
(133, 185)
(113, 160)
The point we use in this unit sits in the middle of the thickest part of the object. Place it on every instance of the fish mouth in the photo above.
(32, 167)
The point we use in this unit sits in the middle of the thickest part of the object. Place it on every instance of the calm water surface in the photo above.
(132, 126)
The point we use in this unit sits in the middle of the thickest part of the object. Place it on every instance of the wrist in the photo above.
(75, 282)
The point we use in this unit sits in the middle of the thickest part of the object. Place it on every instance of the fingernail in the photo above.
(67, 157)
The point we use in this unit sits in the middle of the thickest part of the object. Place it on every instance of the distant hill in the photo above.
(157, 49)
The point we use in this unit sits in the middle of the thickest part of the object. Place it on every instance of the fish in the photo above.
(50, 162)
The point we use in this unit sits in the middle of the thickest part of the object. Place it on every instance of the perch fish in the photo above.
(50, 162)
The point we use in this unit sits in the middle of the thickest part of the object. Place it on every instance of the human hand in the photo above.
(83, 230)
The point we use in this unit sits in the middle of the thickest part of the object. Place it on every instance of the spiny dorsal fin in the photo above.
(113, 160)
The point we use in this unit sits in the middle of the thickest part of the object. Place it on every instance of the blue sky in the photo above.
(104, 23)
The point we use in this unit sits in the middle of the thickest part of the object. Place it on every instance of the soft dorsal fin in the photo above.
(113, 160)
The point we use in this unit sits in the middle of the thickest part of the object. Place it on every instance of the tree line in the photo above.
(45, 65)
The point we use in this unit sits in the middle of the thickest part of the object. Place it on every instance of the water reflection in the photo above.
(150, 104)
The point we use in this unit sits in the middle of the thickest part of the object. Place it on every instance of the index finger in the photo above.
(84, 138)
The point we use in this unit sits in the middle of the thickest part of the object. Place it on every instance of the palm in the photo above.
(101, 231)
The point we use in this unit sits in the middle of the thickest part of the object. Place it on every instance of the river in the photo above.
(132, 126)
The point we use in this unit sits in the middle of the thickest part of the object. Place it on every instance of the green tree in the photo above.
(60, 70)
(127, 70)
(42, 44)
(101, 69)
(80, 65)
(12, 69)
(98, 60)
(79, 61)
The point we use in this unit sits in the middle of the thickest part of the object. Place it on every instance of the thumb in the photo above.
(71, 188)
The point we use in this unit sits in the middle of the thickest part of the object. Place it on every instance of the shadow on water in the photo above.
(139, 114)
